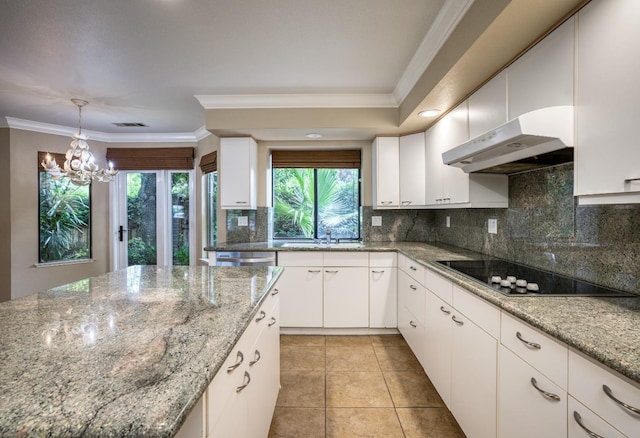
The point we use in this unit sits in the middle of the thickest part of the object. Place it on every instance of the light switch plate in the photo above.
(448, 222)
(376, 221)
(243, 221)
(493, 226)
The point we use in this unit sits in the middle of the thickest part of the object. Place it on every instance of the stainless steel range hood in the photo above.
(536, 139)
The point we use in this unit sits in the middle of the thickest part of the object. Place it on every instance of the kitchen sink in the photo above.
(335, 245)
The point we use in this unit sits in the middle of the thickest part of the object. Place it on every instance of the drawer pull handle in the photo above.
(256, 358)
(548, 395)
(245, 383)
(313, 271)
(527, 343)
(262, 316)
(413, 287)
(239, 359)
(272, 321)
(457, 321)
(331, 272)
(412, 324)
(377, 272)
(275, 292)
(386, 202)
(413, 268)
(578, 419)
(628, 407)
(445, 311)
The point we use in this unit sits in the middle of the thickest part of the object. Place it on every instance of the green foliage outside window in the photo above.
(65, 212)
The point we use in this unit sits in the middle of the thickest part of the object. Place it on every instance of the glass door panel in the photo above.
(142, 246)
(180, 218)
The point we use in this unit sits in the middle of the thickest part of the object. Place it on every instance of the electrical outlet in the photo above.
(448, 222)
(493, 226)
(243, 221)
(376, 221)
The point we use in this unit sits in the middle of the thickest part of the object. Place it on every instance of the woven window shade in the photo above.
(54, 156)
(209, 162)
(337, 159)
(151, 158)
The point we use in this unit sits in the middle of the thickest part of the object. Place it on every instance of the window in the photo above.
(65, 220)
(313, 193)
(211, 193)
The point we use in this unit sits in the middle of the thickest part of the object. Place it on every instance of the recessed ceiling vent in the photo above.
(131, 125)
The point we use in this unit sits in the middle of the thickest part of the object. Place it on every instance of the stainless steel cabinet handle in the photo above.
(412, 324)
(527, 343)
(413, 287)
(272, 321)
(239, 359)
(447, 199)
(386, 202)
(313, 271)
(413, 268)
(261, 316)
(445, 311)
(406, 202)
(578, 419)
(377, 272)
(256, 358)
(330, 272)
(628, 407)
(275, 292)
(457, 321)
(549, 395)
(245, 383)
(241, 202)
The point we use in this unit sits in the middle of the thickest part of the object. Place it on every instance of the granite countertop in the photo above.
(606, 329)
(128, 353)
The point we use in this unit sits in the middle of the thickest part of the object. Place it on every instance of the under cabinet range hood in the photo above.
(536, 139)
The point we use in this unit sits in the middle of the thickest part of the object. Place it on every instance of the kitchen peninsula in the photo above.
(128, 353)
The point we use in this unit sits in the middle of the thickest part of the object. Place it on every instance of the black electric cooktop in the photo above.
(519, 280)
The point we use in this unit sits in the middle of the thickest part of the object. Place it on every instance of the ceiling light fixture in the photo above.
(79, 164)
(314, 135)
(429, 113)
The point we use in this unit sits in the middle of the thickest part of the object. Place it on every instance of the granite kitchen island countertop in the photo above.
(605, 329)
(128, 353)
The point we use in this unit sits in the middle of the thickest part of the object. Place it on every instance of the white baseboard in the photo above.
(337, 331)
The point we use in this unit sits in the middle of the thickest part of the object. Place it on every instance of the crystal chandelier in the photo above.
(79, 164)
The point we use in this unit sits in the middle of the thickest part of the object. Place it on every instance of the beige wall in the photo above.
(5, 216)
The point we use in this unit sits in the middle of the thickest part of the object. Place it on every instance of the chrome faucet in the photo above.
(328, 233)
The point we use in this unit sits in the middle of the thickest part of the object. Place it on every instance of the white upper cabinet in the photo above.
(238, 173)
(543, 77)
(607, 156)
(488, 106)
(412, 170)
(386, 172)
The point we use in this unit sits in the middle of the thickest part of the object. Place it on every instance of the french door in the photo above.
(152, 218)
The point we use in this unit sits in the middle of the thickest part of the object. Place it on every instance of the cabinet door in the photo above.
(383, 297)
(473, 378)
(455, 183)
(488, 106)
(386, 172)
(586, 422)
(607, 100)
(438, 331)
(433, 165)
(412, 332)
(543, 76)
(301, 297)
(238, 173)
(346, 297)
(524, 410)
(412, 170)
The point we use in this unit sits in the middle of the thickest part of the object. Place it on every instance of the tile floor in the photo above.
(356, 386)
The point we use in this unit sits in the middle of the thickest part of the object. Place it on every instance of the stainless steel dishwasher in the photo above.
(245, 258)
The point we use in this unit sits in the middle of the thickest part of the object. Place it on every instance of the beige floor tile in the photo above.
(357, 358)
(411, 389)
(357, 389)
(347, 341)
(293, 357)
(396, 358)
(298, 422)
(363, 422)
(429, 423)
(390, 340)
(302, 389)
(302, 340)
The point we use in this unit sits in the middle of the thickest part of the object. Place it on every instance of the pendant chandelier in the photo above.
(79, 164)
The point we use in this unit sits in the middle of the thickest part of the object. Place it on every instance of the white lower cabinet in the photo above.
(346, 297)
(583, 423)
(300, 287)
(531, 405)
(438, 329)
(383, 290)
(412, 331)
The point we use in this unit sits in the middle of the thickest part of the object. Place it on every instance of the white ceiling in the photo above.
(146, 60)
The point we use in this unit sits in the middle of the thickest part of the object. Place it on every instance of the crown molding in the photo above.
(446, 21)
(169, 137)
(245, 101)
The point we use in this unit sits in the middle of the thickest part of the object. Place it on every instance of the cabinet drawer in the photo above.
(484, 315)
(543, 352)
(300, 258)
(411, 267)
(586, 381)
(440, 286)
(351, 258)
(383, 259)
(587, 421)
